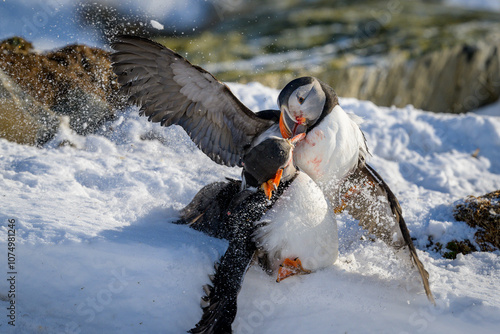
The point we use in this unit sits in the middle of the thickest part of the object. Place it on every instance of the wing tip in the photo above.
(424, 274)
(398, 216)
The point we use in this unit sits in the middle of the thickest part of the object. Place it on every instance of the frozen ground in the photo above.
(95, 252)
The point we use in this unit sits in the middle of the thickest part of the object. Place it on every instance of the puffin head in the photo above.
(303, 102)
(270, 162)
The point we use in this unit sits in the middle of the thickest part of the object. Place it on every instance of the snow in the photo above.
(96, 251)
(490, 109)
(157, 25)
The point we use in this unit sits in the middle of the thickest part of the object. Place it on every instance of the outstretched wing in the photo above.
(369, 199)
(170, 90)
(220, 303)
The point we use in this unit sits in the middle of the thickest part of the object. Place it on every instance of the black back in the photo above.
(269, 114)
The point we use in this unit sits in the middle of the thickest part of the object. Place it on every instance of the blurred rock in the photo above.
(22, 119)
(76, 81)
(483, 213)
(454, 80)
(86, 110)
(396, 52)
(16, 45)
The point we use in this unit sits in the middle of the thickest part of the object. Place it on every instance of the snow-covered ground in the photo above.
(95, 251)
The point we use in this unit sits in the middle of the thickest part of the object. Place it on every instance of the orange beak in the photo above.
(289, 128)
(272, 184)
(298, 138)
(285, 132)
(301, 120)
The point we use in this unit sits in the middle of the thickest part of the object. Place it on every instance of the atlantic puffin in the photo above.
(293, 233)
(170, 90)
(334, 155)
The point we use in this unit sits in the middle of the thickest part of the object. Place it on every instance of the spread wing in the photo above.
(370, 200)
(170, 90)
(220, 303)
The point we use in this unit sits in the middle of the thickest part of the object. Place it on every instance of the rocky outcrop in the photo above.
(455, 80)
(425, 53)
(23, 119)
(76, 81)
(483, 213)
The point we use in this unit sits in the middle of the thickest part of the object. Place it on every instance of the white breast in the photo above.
(331, 149)
(300, 224)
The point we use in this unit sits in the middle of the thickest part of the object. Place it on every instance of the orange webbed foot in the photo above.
(290, 268)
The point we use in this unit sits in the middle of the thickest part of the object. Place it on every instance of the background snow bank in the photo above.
(96, 252)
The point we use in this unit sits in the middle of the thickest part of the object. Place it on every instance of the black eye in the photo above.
(301, 100)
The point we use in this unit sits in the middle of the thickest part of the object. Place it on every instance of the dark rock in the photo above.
(483, 213)
(86, 110)
(22, 119)
(469, 51)
(16, 45)
(76, 81)
(456, 247)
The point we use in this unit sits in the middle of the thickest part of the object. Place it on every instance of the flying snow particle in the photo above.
(156, 25)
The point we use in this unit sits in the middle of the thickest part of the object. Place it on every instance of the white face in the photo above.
(306, 103)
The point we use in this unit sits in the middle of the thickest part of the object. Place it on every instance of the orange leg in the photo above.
(290, 268)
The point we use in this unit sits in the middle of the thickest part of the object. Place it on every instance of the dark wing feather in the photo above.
(170, 90)
(220, 303)
(220, 306)
(207, 212)
(398, 216)
(245, 208)
(378, 211)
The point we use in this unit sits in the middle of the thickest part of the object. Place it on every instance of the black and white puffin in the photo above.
(293, 233)
(171, 90)
(334, 155)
